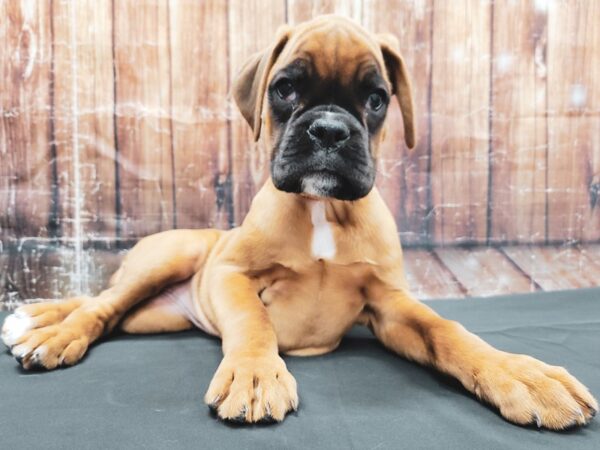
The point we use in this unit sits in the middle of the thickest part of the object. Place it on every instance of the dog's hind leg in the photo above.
(49, 335)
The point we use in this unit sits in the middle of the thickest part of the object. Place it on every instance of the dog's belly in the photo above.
(311, 311)
(179, 299)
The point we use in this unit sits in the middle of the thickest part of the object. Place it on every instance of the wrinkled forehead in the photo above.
(334, 50)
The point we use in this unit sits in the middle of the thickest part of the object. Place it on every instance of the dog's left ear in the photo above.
(398, 74)
(251, 82)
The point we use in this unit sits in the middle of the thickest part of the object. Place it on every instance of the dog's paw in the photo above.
(528, 391)
(38, 337)
(252, 389)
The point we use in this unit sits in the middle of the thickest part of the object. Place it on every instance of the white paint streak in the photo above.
(78, 192)
(323, 243)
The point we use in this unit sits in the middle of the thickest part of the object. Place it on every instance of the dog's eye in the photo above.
(286, 90)
(376, 100)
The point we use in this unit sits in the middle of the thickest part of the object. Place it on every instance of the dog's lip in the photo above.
(310, 196)
(324, 172)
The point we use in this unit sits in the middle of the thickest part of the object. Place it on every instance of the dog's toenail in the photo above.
(214, 404)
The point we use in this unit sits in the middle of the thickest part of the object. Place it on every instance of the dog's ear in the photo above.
(251, 82)
(398, 74)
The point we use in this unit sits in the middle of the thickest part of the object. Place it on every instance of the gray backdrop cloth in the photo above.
(146, 391)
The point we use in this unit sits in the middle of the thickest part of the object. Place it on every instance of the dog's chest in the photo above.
(314, 307)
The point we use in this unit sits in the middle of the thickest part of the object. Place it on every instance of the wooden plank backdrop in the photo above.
(116, 119)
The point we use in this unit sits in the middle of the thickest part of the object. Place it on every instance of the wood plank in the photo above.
(199, 113)
(250, 162)
(428, 278)
(7, 299)
(36, 270)
(83, 119)
(556, 267)
(592, 251)
(26, 153)
(460, 120)
(143, 124)
(519, 128)
(485, 271)
(83, 104)
(573, 120)
(403, 174)
(303, 10)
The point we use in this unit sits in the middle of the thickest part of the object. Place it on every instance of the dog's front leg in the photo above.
(524, 389)
(252, 383)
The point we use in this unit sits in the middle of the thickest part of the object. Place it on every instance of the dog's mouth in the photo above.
(320, 184)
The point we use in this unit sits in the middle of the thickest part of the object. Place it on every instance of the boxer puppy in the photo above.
(317, 253)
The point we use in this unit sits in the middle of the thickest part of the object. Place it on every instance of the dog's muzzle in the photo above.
(324, 152)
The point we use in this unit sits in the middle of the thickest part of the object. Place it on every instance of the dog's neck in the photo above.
(338, 231)
(323, 242)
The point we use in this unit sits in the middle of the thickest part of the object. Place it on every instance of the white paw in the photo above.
(15, 326)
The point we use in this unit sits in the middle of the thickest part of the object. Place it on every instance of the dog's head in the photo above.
(319, 96)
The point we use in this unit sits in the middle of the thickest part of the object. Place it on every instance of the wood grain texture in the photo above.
(519, 129)
(592, 251)
(198, 47)
(460, 120)
(573, 120)
(428, 278)
(35, 271)
(26, 152)
(302, 10)
(485, 271)
(143, 117)
(403, 174)
(557, 267)
(83, 118)
(116, 119)
(250, 163)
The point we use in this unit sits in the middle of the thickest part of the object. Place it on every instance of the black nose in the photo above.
(329, 133)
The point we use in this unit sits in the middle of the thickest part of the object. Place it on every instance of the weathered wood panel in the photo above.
(403, 174)
(429, 278)
(116, 121)
(34, 271)
(303, 10)
(460, 94)
(485, 271)
(556, 267)
(27, 168)
(573, 120)
(250, 162)
(198, 48)
(83, 118)
(143, 117)
(519, 129)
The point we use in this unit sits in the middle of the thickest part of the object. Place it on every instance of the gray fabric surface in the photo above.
(146, 392)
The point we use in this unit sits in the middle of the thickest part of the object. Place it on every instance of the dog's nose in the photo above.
(329, 133)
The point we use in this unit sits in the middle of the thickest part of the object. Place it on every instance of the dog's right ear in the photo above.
(251, 82)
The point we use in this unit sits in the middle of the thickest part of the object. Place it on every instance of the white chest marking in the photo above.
(323, 244)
